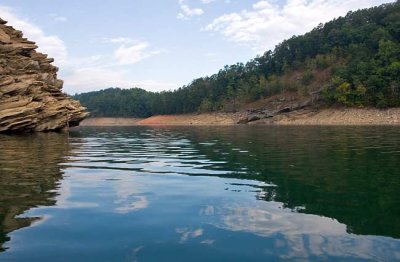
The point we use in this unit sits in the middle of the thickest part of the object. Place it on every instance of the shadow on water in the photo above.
(29, 176)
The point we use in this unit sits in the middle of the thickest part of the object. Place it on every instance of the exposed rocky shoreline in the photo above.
(326, 117)
(31, 97)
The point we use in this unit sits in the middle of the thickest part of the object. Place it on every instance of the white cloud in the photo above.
(90, 79)
(111, 69)
(58, 18)
(268, 23)
(51, 45)
(207, 1)
(120, 40)
(130, 51)
(95, 61)
(188, 12)
(127, 55)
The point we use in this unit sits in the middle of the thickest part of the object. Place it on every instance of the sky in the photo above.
(161, 44)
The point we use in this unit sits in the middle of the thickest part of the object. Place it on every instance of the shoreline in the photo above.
(305, 117)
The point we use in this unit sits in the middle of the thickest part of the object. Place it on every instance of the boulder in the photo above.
(253, 118)
(243, 120)
(284, 110)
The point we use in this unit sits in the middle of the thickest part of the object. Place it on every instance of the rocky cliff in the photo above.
(31, 98)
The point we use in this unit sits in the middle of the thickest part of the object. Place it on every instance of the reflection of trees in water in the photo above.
(346, 173)
(29, 175)
(349, 174)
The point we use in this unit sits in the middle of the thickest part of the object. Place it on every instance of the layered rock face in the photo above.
(31, 98)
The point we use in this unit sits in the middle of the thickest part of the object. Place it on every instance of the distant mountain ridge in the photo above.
(350, 61)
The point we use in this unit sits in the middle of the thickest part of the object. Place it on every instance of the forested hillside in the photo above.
(351, 61)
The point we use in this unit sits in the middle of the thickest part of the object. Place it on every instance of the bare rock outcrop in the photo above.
(275, 107)
(31, 98)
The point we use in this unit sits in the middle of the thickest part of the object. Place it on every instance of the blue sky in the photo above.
(161, 44)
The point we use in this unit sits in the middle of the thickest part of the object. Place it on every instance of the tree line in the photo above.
(352, 61)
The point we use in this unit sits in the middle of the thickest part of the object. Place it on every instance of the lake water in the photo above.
(201, 194)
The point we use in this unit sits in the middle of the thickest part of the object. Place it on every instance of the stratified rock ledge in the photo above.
(31, 98)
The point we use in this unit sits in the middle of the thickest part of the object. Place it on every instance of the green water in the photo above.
(201, 194)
